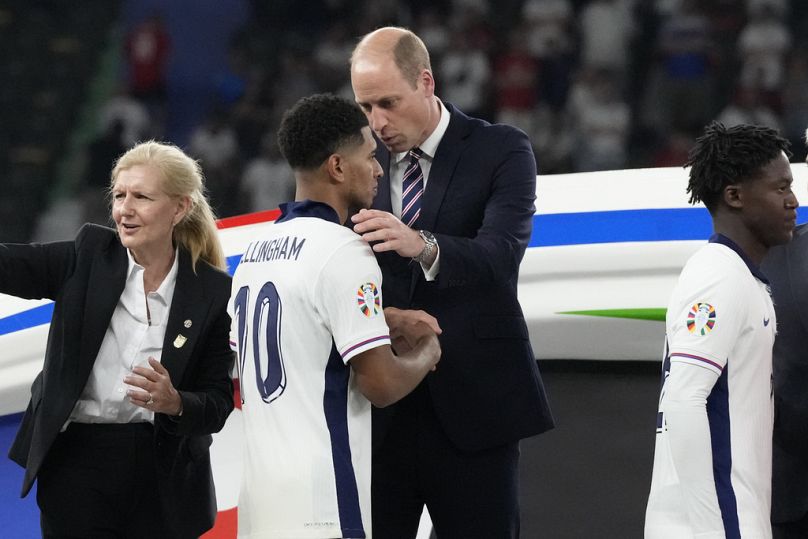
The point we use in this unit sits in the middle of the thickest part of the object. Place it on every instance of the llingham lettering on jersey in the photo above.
(284, 248)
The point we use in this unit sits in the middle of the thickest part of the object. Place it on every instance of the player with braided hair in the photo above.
(727, 155)
(712, 462)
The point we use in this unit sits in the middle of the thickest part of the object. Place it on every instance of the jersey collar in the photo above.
(753, 268)
(307, 208)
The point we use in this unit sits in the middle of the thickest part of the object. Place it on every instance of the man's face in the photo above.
(398, 113)
(362, 172)
(769, 205)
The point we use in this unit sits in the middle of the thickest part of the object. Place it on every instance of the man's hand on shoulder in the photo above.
(390, 233)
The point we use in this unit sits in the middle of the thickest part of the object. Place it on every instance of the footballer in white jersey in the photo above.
(713, 454)
(721, 319)
(306, 299)
(314, 346)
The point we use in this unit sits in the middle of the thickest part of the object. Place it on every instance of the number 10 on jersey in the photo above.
(261, 340)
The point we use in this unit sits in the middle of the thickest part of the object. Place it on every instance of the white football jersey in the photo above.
(306, 299)
(720, 318)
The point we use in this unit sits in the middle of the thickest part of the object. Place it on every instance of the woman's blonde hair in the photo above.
(182, 176)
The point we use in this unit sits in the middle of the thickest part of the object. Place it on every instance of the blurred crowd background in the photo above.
(597, 84)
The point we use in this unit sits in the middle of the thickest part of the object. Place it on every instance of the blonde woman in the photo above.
(136, 374)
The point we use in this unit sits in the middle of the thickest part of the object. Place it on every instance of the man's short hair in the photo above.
(729, 155)
(411, 56)
(409, 53)
(317, 127)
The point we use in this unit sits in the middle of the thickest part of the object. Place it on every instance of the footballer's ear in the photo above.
(732, 195)
(335, 167)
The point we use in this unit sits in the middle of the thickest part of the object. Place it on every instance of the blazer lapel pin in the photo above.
(179, 341)
(187, 324)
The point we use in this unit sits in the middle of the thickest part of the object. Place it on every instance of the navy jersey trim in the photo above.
(753, 268)
(718, 416)
(307, 208)
(335, 406)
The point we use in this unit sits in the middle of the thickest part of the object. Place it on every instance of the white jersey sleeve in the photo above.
(349, 292)
(712, 458)
(703, 325)
(686, 392)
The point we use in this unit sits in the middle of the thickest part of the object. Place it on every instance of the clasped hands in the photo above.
(153, 389)
(408, 327)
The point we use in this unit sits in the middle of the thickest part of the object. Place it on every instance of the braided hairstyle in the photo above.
(727, 155)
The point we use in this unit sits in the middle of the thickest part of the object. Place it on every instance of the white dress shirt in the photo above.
(136, 332)
(398, 164)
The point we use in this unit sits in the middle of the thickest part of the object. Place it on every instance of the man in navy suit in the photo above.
(450, 224)
(786, 266)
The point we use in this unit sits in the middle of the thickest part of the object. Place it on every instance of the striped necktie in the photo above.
(412, 188)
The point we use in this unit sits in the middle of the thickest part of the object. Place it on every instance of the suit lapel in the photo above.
(382, 201)
(188, 309)
(104, 288)
(440, 175)
(443, 165)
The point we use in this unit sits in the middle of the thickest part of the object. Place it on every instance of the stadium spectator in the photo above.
(465, 72)
(133, 116)
(600, 122)
(763, 45)
(516, 82)
(147, 51)
(215, 144)
(548, 27)
(607, 27)
(680, 92)
(267, 180)
(101, 157)
(748, 107)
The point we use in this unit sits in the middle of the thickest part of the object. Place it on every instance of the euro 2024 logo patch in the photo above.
(367, 297)
(701, 319)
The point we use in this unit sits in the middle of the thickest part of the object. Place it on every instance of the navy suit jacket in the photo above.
(85, 278)
(787, 269)
(478, 203)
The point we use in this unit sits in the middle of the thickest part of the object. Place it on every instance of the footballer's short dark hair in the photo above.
(727, 155)
(318, 126)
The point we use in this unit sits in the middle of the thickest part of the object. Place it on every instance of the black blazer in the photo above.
(478, 202)
(85, 278)
(787, 269)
